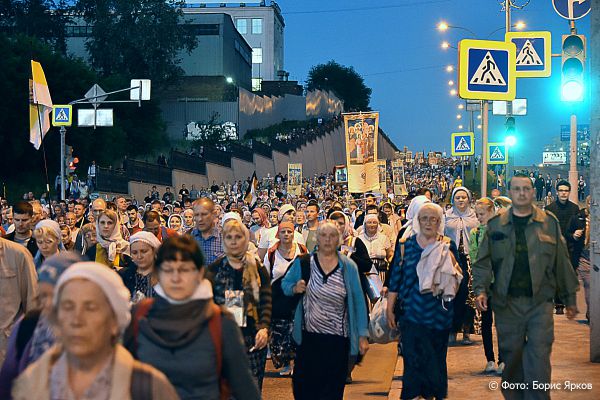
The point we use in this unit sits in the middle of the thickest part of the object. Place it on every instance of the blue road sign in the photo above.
(497, 153)
(62, 115)
(463, 144)
(534, 53)
(583, 132)
(572, 9)
(487, 70)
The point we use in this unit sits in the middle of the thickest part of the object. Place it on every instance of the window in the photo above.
(242, 25)
(78, 31)
(256, 84)
(257, 55)
(256, 26)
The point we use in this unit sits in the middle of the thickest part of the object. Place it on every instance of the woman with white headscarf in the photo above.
(425, 281)
(48, 238)
(377, 242)
(90, 312)
(111, 249)
(460, 220)
(140, 275)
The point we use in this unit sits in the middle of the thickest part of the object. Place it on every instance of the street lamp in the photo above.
(229, 79)
(458, 116)
(453, 92)
(451, 83)
(449, 68)
(460, 127)
(461, 106)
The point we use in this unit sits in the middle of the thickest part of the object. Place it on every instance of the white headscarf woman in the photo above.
(411, 213)
(461, 218)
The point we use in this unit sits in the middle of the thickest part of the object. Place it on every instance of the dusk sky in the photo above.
(396, 47)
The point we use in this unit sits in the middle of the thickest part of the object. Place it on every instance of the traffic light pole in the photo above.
(573, 174)
(63, 133)
(484, 145)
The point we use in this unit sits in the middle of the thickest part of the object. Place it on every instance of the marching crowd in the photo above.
(188, 294)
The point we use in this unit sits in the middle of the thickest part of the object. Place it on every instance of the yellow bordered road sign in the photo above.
(497, 153)
(463, 144)
(534, 53)
(62, 115)
(486, 70)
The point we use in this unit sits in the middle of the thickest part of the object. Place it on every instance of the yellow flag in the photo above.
(40, 105)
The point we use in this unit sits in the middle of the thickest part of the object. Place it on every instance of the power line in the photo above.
(339, 10)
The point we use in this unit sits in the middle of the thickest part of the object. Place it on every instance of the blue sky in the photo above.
(395, 46)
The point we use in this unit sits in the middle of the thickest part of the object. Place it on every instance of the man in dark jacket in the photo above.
(22, 218)
(565, 210)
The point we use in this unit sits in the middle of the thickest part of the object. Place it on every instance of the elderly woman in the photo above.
(90, 311)
(33, 335)
(111, 250)
(425, 279)
(139, 276)
(188, 220)
(175, 332)
(242, 284)
(48, 238)
(330, 323)
(460, 220)
(378, 245)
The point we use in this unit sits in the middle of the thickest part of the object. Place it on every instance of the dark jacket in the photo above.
(564, 213)
(31, 245)
(549, 263)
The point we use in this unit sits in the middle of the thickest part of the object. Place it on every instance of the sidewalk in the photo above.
(570, 363)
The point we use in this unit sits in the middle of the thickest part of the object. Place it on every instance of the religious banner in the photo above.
(294, 179)
(398, 177)
(340, 174)
(361, 151)
(382, 168)
(408, 157)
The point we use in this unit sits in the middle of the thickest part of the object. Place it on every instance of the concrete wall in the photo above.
(263, 166)
(189, 179)
(140, 190)
(218, 173)
(280, 161)
(241, 169)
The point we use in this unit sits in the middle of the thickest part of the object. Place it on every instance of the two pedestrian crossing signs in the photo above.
(486, 70)
(534, 53)
(62, 115)
(497, 153)
(463, 144)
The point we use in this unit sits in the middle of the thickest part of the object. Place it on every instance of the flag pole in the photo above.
(39, 121)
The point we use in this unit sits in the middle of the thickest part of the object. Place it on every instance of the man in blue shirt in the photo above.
(206, 233)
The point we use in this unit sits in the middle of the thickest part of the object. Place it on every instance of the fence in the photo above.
(147, 172)
(112, 181)
(186, 162)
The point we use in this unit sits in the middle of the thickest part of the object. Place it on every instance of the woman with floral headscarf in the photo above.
(460, 220)
(243, 285)
(111, 249)
(260, 224)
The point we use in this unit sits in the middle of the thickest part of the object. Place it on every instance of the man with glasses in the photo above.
(565, 210)
(522, 262)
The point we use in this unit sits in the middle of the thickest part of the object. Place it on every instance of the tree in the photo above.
(344, 81)
(137, 38)
(43, 19)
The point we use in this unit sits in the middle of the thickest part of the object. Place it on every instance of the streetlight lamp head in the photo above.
(520, 25)
(479, 126)
(229, 79)
(453, 92)
(460, 127)
(458, 116)
(461, 106)
(445, 45)
(442, 26)
(449, 68)
(450, 83)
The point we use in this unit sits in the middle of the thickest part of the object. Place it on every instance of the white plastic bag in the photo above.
(379, 330)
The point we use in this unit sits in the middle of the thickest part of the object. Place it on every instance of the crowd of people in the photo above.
(187, 294)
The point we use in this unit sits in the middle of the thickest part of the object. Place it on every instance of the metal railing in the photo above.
(187, 162)
(112, 181)
(148, 172)
(218, 157)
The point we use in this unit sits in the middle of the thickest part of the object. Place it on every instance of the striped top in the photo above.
(325, 303)
(423, 309)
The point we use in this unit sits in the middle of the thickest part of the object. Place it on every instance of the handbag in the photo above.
(375, 284)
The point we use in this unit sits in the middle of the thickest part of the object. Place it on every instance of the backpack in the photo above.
(283, 307)
(215, 329)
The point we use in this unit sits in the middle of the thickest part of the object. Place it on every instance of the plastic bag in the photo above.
(379, 330)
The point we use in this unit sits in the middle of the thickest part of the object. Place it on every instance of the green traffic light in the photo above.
(511, 141)
(572, 91)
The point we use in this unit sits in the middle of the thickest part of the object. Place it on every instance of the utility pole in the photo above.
(594, 184)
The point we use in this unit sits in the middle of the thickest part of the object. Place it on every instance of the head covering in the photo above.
(53, 267)
(229, 216)
(107, 280)
(264, 219)
(187, 211)
(115, 242)
(440, 214)
(459, 224)
(175, 216)
(412, 212)
(458, 189)
(52, 225)
(283, 210)
(371, 217)
(146, 237)
(283, 225)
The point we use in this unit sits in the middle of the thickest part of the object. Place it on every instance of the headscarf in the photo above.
(115, 243)
(348, 231)
(107, 280)
(440, 214)
(250, 278)
(459, 224)
(370, 217)
(187, 227)
(145, 237)
(55, 228)
(411, 213)
(264, 218)
(180, 219)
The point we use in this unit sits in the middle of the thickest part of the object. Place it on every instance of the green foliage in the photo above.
(344, 82)
(137, 131)
(211, 133)
(137, 38)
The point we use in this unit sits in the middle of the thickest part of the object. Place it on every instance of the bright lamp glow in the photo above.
(229, 79)
(520, 25)
(449, 68)
(572, 91)
(453, 92)
(458, 116)
(461, 106)
(510, 141)
(450, 83)
(442, 26)
(460, 127)
(445, 45)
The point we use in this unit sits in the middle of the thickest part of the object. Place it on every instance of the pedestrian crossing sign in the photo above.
(534, 53)
(463, 144)
(497, 153)
(486, 70)
(62, 115)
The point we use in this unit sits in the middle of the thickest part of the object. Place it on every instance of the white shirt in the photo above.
(376, 245)
(280, 264)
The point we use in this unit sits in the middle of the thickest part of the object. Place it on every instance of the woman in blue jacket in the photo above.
(330, 322)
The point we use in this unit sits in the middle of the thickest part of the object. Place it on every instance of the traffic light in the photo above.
(71, 160)
(573, 66)
(510, 126)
